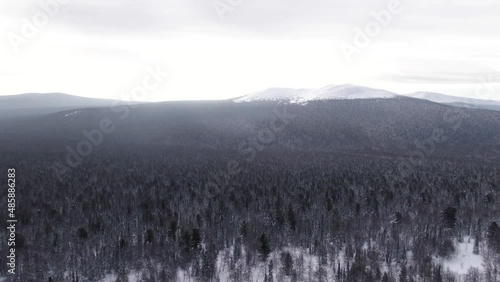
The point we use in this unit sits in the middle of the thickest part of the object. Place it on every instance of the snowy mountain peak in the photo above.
(330, 92)
(274, 94)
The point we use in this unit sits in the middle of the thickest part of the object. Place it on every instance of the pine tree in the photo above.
(122, 275)
(287, 262)
(477, 238)
(172, 230)
(82, 233)
(446, 249)
(494, 237)
(264, 248)
(385, 277)
(270, 271)
(437, 274)
(476, 245)
(403, 276)
(449, 216)
(149, 236)
(195, 239)
(291, 217)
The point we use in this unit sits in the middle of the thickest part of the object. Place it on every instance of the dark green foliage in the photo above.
(172, 230)
(195, 238)
(149, 236)
(403, 275)
(82, 233)
(449, 217)
(264, 248)
(123, 243)
(287, 263)
(446, 249)
(185, 240)
(494, 236)
(438, 277)
(291, 217)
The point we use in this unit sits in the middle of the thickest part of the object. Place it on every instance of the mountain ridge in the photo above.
(329, 92)
(32, 104)
(351, 91)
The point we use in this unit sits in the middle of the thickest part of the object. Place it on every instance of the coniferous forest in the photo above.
(238, 192)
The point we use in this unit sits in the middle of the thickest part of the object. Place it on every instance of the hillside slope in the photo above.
(392, 126)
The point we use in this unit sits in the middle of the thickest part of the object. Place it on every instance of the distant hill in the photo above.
(389, 126)
(343, 118)
(31, 104)
(457, 101)
(36, 104)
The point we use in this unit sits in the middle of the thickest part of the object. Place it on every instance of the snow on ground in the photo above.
(307, 265)
(109, 278)
(274, 94)
(464, 259)
(331, 92)
(132, 276)
(70, 114)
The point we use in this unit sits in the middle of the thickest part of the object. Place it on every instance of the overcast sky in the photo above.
(227, 48)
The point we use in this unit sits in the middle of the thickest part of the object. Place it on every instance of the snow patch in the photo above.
(132, 276)
(70, 114)
(109, 278)
(464, 259)
(308, 266)
(331, 92)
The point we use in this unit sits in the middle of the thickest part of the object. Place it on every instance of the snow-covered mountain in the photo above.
(331, 92)
(349, 91)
